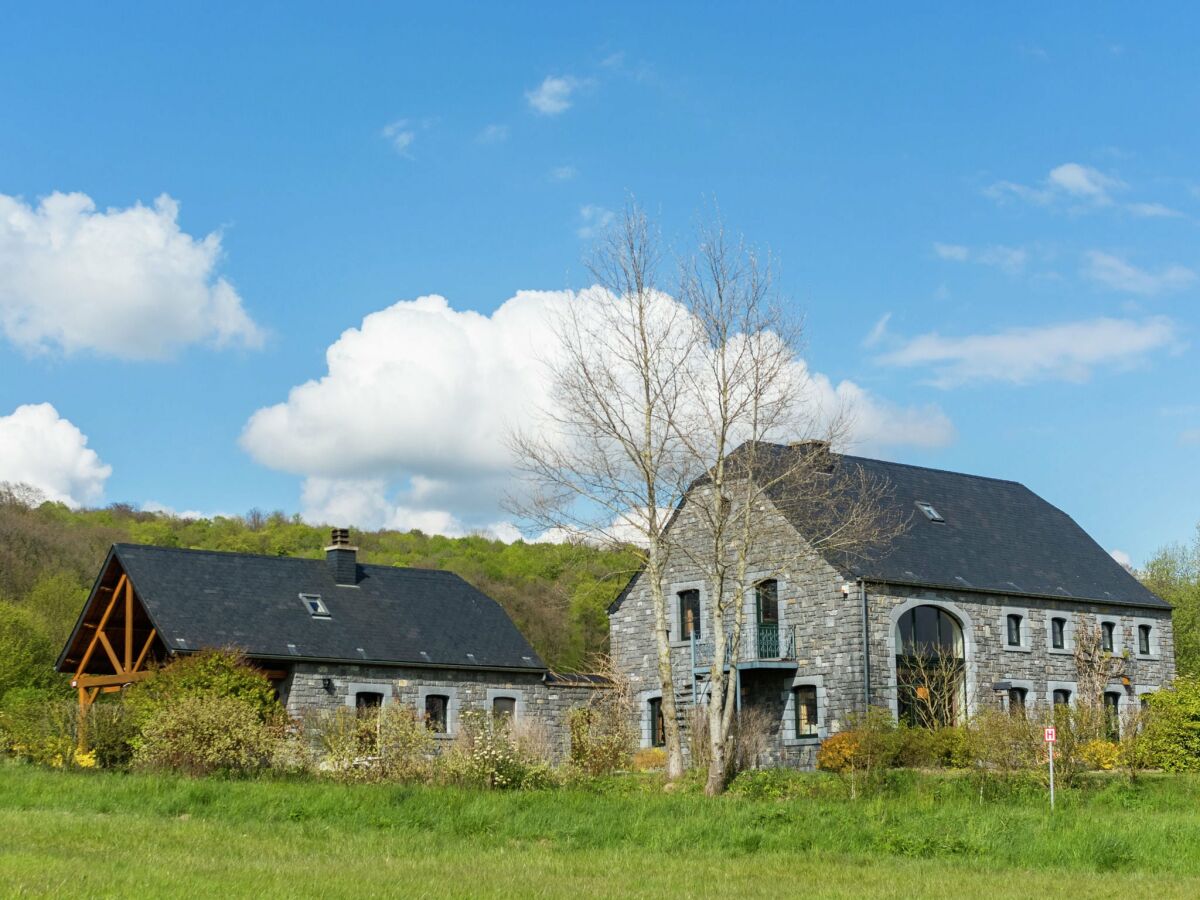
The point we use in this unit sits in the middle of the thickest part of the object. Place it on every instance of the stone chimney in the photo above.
(342, 557)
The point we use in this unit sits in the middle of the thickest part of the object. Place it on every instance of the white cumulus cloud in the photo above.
(40, 448)
(126, 283)
(407, 427)
(1069, 351)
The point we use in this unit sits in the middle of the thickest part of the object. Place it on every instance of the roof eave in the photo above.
(1161, 606)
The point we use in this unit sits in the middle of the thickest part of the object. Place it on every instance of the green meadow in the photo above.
(94, 834)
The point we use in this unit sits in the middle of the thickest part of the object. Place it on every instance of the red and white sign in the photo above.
(1051, 735)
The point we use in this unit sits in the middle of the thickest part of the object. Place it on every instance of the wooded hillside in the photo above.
(49, 555)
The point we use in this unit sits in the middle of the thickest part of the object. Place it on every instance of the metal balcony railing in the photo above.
(762, 641)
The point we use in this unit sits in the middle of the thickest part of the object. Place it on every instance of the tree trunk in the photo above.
(662, 632)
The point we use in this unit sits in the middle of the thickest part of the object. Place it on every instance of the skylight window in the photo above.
(315, 606)
(930, 513)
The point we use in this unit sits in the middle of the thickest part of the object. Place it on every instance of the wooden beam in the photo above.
(128, 626)
(108, 648)
(87, 656)
(95, 682)
(145, 649)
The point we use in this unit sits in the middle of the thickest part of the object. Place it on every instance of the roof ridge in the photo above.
(245, 554)
(888, 462)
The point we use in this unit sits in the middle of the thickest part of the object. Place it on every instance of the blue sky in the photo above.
(988, 219)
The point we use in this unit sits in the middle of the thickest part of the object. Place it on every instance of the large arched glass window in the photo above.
(930, 670)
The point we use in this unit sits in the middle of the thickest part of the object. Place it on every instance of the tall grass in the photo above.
(142, 831)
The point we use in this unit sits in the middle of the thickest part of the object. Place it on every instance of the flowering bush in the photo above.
(1103, 755)
(838, 751)
(487, 755)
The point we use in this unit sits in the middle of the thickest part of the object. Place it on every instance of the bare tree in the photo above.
(744, 390)
(605, 460)
(1095, 669)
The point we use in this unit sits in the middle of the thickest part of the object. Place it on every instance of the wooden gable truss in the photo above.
(114, 641)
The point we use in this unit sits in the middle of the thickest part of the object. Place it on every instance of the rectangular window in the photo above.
(1112, 714)
(368, 700)
(805, 696)
(766, 595)
(504, 708)
(689, 615)
(658, 729)
(1106, 636)
(1016, 699)
(315, 606)
(930, 513)
(1144, 640)
(1058, 634)
(1062, 697)
(1014, 630)
(436, 709)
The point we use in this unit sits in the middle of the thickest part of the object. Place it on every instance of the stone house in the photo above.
(328, 632)
(991, 578)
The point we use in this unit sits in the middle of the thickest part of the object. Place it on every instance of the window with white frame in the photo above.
(1110, 635)
(1014, 628)
(1060, 632)
(1145, 638)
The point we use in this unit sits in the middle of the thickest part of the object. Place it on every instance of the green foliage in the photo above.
(198, 735)
(386, 744)
(1174, 574)
(208, 674)
(39, 726)
(1172, 737)
(26, 652)
(600, 744)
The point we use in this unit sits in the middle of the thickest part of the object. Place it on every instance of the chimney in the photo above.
(342, 557)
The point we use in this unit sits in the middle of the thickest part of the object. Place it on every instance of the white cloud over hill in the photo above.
(40, 448)
(407, 427)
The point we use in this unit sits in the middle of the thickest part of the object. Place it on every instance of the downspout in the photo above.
(866, 641)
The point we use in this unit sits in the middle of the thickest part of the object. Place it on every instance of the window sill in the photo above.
(805, 741)
(1018, 649)
(1148, 657)
(1060, 652)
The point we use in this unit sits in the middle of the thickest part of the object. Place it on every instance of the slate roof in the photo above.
(203, 598)
(998, 536)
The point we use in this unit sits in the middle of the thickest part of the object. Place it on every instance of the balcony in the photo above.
(763, 646)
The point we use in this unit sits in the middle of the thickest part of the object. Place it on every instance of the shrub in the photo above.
(601, 740)
(486, 755)
(838, 752)
(386, 744)
(26, 653)
(37, 725)
(209, 674)
(109, 733)
(1101, 754)
(1172, 736)
(649, 759)
(202, 735)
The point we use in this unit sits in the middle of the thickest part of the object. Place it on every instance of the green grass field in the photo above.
(104, 834)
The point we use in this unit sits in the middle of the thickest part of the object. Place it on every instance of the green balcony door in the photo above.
(766, 603)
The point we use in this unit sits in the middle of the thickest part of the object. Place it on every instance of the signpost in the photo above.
(1051, 737)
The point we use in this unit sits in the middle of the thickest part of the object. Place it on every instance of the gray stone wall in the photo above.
(827, 625)
(1035, 665)
(539, 704)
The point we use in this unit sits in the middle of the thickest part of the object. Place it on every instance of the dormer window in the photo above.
(315, 606)
(930, 513)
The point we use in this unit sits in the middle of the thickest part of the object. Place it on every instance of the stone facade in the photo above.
(821, 636)
(539, 701)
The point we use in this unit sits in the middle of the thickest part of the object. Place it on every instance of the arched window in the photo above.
(930, 669)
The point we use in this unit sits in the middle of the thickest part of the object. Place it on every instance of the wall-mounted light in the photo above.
(327, 683)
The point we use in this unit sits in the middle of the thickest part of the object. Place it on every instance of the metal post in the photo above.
(1051, 746)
